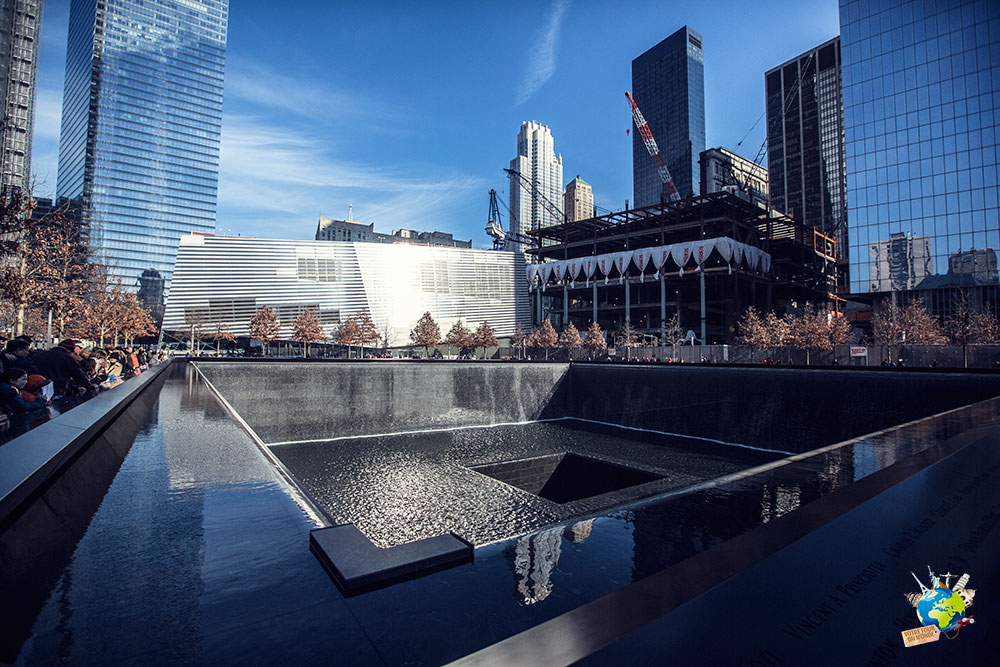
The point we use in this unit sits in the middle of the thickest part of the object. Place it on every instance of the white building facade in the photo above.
(537, 161)
(226, 279)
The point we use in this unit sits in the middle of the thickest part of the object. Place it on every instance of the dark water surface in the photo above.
(197, 549)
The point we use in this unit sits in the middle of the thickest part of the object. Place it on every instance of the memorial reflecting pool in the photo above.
(190, 544)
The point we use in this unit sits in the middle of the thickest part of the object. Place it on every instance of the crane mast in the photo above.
(653, 149)
(501, 237)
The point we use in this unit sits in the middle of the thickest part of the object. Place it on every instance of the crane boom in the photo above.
(531, 188)
(653, 149)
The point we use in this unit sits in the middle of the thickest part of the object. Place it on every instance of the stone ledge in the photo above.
(28, 461)
(357, 566)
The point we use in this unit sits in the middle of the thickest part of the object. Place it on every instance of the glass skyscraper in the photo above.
(921, 116)
(141, 121)
(805, 141)
(668, 84)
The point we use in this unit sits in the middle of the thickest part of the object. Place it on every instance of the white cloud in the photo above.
(542, 59)
(312, 98)
(276, 181)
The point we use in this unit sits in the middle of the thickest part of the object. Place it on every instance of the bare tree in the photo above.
(518, 338)
(387, 334)
(967, 326)
(546, 337)
(808, 330)
(918, 327)
(458, 336)
(307, 329)
(485, 337)
(594, 340)
(264, 326)
(349, 333)
(627, 337)
(570, 339)
(752, 332)
(426, 333)
(135, 319)
(221, 333)
(369, 333)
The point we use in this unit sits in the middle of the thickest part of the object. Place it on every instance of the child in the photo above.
(12, 382)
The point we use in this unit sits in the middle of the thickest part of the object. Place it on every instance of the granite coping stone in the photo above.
(30, 460)
(357, 566)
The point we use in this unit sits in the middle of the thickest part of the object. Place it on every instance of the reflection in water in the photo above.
(781, 502)
(536, 555)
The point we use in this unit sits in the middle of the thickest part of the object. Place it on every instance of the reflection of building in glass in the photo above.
(578, 200)
(922, 124)
(900, 263)
(668, 85)
(141, 122)
(228, 278)
(805, 139)
(537, 161)
(980, 264)
(724, 170)
(151, 289)
(350, 230)
(19, 24)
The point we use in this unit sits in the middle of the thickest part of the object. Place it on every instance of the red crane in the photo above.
(654, 150)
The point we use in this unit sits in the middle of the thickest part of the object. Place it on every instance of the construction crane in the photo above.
(538, 195)
(654, 150)
(501, 237)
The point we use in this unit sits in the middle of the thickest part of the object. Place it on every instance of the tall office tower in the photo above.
(922, 123)
(20, 21)
(668, 85)
(805, 141)
(537, 161)
(578, 200)
(141, 119)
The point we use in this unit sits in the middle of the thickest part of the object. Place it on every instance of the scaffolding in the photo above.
(707, 300)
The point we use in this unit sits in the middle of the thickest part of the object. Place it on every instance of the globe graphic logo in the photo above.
(941, 607)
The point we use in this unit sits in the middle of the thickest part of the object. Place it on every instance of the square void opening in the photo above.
(563, 478)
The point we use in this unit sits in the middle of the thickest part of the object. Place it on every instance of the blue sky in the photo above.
(409, 111)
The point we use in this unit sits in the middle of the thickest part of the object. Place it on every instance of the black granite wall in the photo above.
(775, 408)
(786, 409)
(304, 401)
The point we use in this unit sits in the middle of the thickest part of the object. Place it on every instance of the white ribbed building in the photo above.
(537, 161)
(227, 279)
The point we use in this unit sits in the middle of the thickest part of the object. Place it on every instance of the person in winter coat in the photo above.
(59, 366)
(12, 382)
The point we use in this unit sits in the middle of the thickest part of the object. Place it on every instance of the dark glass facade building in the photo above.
(922, 114)
(805, 138)
(668, 84)
(141, 122)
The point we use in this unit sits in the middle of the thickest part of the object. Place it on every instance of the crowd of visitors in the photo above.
(33, 379)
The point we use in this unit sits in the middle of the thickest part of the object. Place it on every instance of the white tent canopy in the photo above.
(681, 254)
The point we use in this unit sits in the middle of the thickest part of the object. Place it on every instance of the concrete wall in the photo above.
(775, 408)
(304, 401)
(786, 409)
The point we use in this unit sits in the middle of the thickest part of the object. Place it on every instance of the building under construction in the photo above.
(706, 258)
